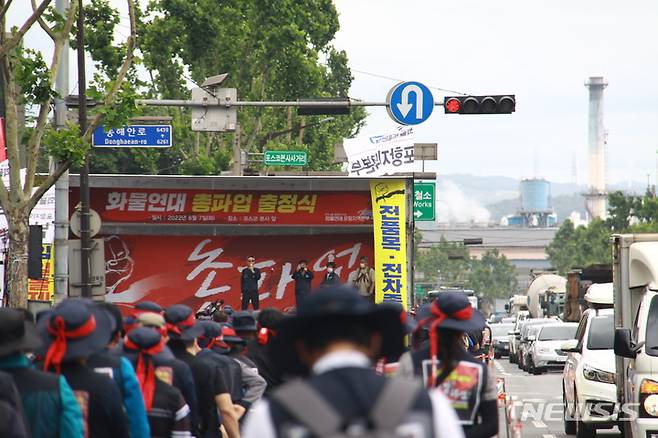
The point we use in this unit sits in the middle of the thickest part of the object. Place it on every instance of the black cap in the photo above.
(16, 334)
(244, 321)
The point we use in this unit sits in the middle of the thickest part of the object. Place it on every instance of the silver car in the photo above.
(546, 349)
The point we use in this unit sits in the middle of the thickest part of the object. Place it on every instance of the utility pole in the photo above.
(62, 183)
(85, 237)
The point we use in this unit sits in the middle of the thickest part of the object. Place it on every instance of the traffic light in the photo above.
(500, 104)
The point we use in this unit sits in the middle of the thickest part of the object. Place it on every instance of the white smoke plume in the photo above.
(455, 207)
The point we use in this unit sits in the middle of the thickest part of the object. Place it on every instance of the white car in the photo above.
(546, 348)
(588, 380)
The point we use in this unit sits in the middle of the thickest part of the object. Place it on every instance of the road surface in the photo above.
(541, 402)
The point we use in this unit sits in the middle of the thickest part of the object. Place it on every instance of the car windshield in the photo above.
(500, 330)
(601, 333)
(558, 333)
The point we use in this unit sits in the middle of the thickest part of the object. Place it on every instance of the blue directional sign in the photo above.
(133, 136)
(410, 103)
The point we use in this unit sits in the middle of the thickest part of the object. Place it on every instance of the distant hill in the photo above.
(464, 198)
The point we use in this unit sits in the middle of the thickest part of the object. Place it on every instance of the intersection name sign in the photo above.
(285, 158)
(133, 136)
(425, 201)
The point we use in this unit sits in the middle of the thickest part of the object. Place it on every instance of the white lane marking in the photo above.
(534, 400)
(539, 424)
(548, 435)
(500, 369)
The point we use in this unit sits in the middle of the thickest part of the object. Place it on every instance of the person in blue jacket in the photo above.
(50, 407)
(123, 373)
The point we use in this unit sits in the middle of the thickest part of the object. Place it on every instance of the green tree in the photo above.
(620, 210)
(446, 262)
(493, 275)
(27, 80)
(579, 247)
(271, 49)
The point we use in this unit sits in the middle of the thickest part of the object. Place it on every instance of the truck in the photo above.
(578, 282)
(546, 294)
(635, 291)
(472, 297)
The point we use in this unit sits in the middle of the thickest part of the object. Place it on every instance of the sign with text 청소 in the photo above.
(389, 219)
(171, 206)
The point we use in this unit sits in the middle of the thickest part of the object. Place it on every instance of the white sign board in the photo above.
(379, 155)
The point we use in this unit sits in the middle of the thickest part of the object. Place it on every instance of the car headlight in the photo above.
(651, 405)
(598, 375)
(543, 350)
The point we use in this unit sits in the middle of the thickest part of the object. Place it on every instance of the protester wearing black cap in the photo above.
(213, 386)
(49, 404)
(249, 278)
(253, 385)
(443, 363)
(110, 362)
(334, 337)
(269, 321)
(303, 278)
(183, 329)
(168, 414)
(331, 277)
(73, 331)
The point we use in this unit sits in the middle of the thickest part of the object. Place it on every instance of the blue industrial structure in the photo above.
(535, 210)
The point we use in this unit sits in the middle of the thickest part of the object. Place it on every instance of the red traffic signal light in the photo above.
(497, 104)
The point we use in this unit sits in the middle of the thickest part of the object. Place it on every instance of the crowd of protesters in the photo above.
(84, 369)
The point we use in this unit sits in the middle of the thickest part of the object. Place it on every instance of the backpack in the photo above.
(314, 413)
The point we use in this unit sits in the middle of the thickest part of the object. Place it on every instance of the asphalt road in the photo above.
(539, 403)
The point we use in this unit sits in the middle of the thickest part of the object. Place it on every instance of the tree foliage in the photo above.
(585, 245)
(449, 264)
(27, 81)
(272, 50)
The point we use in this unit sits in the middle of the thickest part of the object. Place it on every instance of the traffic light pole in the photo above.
(328, 104)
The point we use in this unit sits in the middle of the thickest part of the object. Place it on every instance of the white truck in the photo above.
(635, 278)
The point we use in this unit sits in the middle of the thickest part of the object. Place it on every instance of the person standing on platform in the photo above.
(249, 284)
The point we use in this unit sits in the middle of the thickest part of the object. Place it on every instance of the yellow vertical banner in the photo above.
(389, 221)
(44, 289)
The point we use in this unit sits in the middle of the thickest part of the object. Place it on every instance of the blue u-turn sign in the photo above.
(410, 103)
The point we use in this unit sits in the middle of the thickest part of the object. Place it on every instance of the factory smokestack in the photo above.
(596, 196)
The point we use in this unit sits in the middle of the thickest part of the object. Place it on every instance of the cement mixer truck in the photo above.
(635, 283)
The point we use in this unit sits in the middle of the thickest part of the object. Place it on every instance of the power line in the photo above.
(377, 75)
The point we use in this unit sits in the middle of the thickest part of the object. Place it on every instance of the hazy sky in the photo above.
(542, 51)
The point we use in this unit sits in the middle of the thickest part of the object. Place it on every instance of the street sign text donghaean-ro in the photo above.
(134, 136)
(285, 158)
(424, 201)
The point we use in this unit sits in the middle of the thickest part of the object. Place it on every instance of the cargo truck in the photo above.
(635, 283)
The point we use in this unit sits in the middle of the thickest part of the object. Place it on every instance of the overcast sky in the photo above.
(542, 51)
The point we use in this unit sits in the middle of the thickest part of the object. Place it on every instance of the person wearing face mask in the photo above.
(331, 277)
(363, 280)
(303, 278)
(249, 284)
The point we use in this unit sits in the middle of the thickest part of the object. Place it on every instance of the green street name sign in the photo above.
(424, 201)
(285, 158)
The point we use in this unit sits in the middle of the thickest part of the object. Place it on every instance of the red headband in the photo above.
(177, 327)
(57, 349)
(145, 370)
(439, 316)
(264, 335)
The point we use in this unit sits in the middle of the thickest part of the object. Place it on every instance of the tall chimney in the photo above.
(596, 196)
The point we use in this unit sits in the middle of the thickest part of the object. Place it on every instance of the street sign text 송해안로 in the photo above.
(134, 136)
(410, 103)
(285, 158)
(424, 201)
